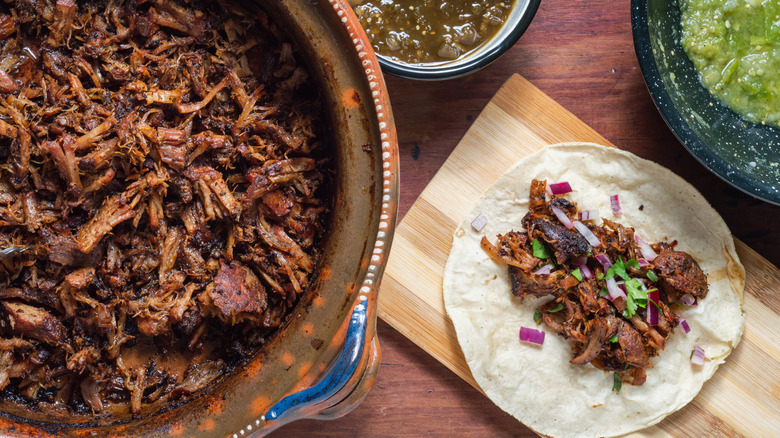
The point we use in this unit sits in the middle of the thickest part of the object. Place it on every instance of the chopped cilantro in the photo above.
(556, 308)
(600, 276)
(613, 339)
(619, 269)
(540, 251)
(604, 292)
(633, 263)
(617, 382)
(635, 297)
(651, 276)
(577, 274)
(538, 317)
(692, 351)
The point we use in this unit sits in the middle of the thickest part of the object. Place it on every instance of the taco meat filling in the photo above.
(163, 197)
(611, 301)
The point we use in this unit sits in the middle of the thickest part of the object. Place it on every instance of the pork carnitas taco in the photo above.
(593, 292)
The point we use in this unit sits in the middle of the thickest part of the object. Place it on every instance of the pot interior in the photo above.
(305, 344)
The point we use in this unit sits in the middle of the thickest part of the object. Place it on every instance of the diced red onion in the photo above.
(479, 222)
(604, 260)
(587, 233)
(562, 217)
(586, 272)
(544, 270)
(652, 315)
(614, 201)
(582, 263)
(684, 324)
(698, 356)
(532, 336)
(579, 260)
(645, 249)
(614, 290)
(688, 300)
(559, 188)
(652, 310)
(643, 262)
(589, 215)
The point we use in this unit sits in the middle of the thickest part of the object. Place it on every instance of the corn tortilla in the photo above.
(538, 385)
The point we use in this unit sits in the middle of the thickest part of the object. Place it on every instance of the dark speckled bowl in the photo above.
(744, 154)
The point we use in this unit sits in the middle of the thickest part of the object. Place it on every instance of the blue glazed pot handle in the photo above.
(339, 374)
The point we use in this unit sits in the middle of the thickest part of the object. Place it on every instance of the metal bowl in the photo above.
(744, 154)
(325, 358)
(517, 22)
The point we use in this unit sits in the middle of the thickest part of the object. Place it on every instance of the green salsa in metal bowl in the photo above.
(735, 46)
(430, 31)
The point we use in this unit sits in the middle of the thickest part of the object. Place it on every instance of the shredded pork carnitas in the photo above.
(611, 331)
(161, 168)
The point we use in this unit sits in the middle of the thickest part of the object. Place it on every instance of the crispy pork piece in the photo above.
(7, 84)
(528, 284)
(588, 292)
(601, 329)
(616, 240)
(114, 211)
(538, 198)
(80, 361)
(511, 250)
(214, 192)
(30, 295)
(653, 337)
(632, 349)
(61, 249)
(566, 206)
(34, 322)
(565, 242)
(237, 293)
(63, 153)
(680, 274)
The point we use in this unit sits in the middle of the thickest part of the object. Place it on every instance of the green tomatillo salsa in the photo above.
(735, 46)
(430, 31)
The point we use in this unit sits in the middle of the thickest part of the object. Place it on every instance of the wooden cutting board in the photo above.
(743, 398)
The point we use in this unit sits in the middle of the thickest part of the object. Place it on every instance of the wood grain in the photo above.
(520, 120)
(580, 54)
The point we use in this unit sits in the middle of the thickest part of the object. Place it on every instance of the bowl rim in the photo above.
(674, 120)
(470, 64)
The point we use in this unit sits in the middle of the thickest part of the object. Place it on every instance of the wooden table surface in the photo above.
(582, 55)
